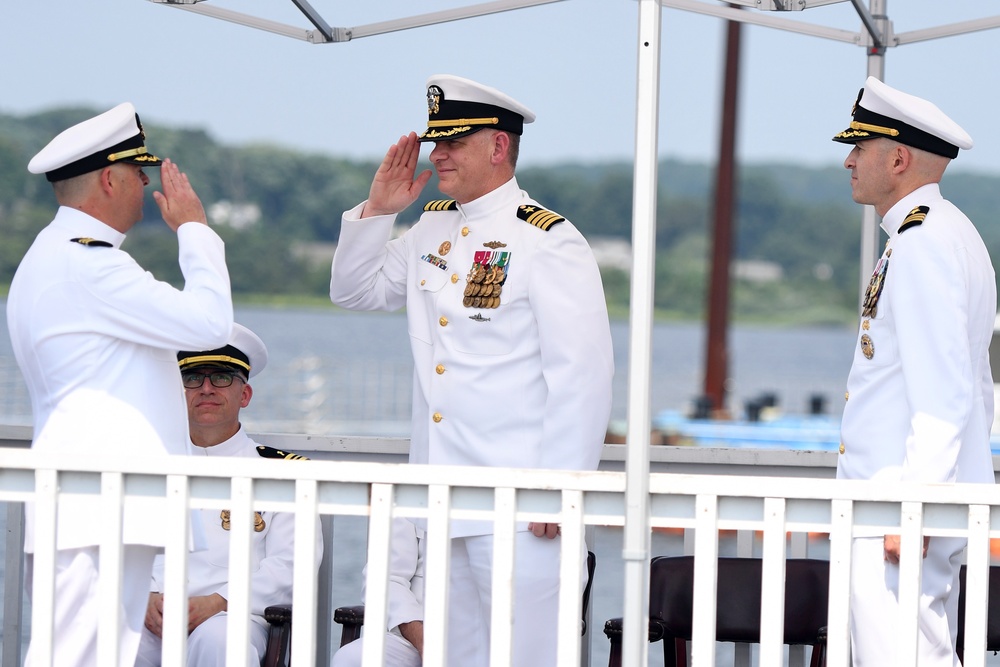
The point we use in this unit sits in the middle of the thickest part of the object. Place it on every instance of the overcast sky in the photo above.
(572, 62)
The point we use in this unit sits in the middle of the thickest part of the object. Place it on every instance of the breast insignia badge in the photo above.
(867, 346)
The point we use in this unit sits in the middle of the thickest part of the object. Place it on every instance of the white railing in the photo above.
(795, 499)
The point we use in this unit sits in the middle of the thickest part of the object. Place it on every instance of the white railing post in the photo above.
(706, 554)
(175, 561)
(111, 560)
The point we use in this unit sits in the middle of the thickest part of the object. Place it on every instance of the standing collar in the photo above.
(925, 195)
(228, 447)
(80, 224)
(492, 201)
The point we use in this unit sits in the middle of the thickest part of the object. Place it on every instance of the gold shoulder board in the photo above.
(272, 453)
(94, 243)
(914, 218)
(441, 205)
(538, 216)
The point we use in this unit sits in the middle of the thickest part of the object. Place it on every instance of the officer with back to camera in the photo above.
(95, 337)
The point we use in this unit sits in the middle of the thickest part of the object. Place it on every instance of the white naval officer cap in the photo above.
(245, 352)
(457, 107)
(114, 136)
(883, 111)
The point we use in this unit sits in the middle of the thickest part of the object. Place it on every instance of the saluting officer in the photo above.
(509, 332)
(920, 393)
(96, 337)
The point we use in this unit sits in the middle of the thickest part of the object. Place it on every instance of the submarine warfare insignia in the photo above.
(258, 521)
(538, 216)
(94, 243)
(485, 281)
(867, 346)
(914, 218)
(875, 285)
(493, 245)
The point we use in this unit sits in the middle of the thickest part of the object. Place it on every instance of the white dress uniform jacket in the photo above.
(921, 407)
(526, 384)
(96, 338)
(271, 551)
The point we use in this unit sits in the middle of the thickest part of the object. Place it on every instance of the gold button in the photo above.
(423, 282)
(454, 277)
(847, 395)
(866, 325)
(465, 231)
(842, 448)
(437, 417)
(440, 369)
(443, 321)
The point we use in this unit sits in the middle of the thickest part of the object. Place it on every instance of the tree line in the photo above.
(279, 211)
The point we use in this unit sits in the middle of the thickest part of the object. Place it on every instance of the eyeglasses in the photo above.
(220, 379)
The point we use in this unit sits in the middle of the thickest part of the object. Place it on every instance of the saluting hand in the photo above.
(178, 202)
(394, 187)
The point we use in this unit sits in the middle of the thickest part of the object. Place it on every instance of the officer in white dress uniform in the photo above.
(509, 333)
(404, 625)
(96, 337)
(920, 393)
(216, 384)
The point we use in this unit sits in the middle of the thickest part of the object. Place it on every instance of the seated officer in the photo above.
(404, 640)
(216, 387)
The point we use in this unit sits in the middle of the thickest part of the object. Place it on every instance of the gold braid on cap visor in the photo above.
(463, 121)
(190, 361)
(141, 150)
(878, 129)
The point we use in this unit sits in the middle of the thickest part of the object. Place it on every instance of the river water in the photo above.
(349, 373)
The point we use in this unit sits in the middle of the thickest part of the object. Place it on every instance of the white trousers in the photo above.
(206, 645)
(76, 615)
(398, 653)
(875, 613)
(536, 600)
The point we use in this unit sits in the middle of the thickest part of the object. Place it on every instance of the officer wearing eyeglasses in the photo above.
(216, 386)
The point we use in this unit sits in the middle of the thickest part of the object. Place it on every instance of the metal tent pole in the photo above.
(637, 539)
(876, 67)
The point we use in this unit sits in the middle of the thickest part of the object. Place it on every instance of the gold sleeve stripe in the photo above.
(441, 205)
(272, 453)
(539, 217)
(914, 218)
